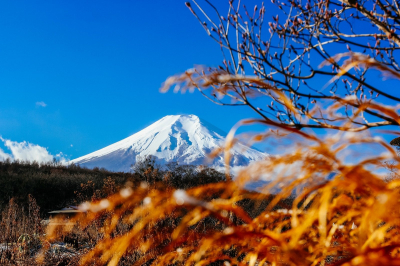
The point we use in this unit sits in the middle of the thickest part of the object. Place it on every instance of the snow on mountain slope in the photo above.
(181, 138)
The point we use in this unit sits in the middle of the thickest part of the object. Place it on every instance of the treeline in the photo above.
(52, 185)
(29, 190)
(55, 186)
(175, 175)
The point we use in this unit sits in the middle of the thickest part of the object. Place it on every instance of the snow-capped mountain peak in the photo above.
(181, 138)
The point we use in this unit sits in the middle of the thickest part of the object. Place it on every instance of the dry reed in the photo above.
(350, 219)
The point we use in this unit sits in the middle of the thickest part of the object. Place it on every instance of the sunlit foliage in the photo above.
(343, 211)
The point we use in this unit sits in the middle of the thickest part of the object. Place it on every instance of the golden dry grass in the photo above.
(352, 219)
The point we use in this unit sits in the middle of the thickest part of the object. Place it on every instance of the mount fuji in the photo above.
(181, 138)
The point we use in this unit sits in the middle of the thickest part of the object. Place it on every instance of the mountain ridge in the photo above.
(181, 138)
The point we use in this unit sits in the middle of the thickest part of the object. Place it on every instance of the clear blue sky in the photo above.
(98, 66)
(76, 76)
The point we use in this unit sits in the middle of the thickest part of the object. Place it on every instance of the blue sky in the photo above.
(76, 76)
(88, 73)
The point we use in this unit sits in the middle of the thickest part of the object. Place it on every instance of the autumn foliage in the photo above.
(343, 212)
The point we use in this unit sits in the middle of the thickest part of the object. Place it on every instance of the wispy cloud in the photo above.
(41, 104)
(26, 151)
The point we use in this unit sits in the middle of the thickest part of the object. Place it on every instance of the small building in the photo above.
(62, 215)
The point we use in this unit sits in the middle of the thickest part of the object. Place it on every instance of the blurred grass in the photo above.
(350, 219)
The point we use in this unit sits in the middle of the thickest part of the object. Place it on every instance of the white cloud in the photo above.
(4, 156)
(25, 151)
(42, 104)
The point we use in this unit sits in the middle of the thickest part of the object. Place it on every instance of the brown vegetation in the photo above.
(352, 219)
(52, 185)
(23, 223)
(349, 219)
(267, 58)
